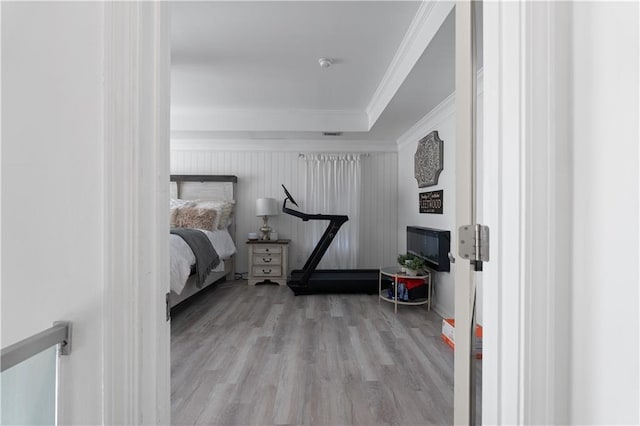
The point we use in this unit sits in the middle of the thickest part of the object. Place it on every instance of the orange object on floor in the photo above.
(448, 333)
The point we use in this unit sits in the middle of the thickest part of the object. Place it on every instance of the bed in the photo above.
(193, 190)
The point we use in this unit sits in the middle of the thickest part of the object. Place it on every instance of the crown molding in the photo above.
(442, 111)
(426, 23)
(257, 120)
(434, 117)
(282, 145)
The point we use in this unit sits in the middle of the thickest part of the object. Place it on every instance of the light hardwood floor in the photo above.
(244, 355)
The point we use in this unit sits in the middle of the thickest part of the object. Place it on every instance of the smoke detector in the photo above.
(325, 62)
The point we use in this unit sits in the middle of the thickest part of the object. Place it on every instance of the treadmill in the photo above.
(310, 280)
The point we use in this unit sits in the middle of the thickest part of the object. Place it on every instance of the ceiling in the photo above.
(249, 70)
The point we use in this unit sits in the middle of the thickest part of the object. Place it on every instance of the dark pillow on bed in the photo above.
(193, 216)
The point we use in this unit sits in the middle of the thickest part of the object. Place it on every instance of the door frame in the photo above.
(527, 198)
(526, 154)
(136, 374)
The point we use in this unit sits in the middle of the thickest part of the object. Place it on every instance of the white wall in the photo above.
(52, 187)
(260, 174)
(442, 119)
(604, 321)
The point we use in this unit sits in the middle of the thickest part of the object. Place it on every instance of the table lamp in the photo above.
(266, 207)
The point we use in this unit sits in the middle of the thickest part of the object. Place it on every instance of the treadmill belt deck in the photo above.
(336, 281)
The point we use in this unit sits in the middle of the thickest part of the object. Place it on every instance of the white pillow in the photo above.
(176, 202)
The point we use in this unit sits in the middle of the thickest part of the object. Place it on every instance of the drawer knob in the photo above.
(266, 259)
(266, 271)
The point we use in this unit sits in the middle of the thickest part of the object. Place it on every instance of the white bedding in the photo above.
(182, 257)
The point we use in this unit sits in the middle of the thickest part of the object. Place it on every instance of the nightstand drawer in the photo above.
(270, 249)
(267, 259)
(267, 271)
(268, 262)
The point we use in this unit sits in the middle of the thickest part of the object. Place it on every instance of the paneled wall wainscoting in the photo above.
(442, 119)
(261, 173)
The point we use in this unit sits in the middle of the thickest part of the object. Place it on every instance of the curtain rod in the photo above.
(363, 154)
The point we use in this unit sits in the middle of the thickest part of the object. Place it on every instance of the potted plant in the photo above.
(402, 259)
(412, 264)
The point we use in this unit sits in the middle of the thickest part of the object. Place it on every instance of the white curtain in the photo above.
(333, 186)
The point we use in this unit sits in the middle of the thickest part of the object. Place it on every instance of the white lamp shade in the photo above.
(267, 207)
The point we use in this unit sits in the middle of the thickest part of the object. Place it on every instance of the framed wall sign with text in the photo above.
(430, 202)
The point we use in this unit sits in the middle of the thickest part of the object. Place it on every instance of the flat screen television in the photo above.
(432, 245)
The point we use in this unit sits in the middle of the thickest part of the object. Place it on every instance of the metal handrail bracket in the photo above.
(14, 354)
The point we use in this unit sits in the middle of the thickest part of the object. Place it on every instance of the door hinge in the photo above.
(473, 244)
(167, 308)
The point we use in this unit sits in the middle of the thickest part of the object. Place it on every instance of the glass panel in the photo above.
(28, 391)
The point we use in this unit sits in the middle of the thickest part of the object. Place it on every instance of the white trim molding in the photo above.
(281, 145)
(259, 120)
(439, 113)
(424, 26)
(547, 197)
(426, 23)
(136, 337)
(502, 141)
(528, 207)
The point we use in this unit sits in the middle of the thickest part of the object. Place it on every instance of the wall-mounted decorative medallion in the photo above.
(428, 160)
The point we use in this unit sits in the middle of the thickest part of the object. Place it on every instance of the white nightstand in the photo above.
(268, 261)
